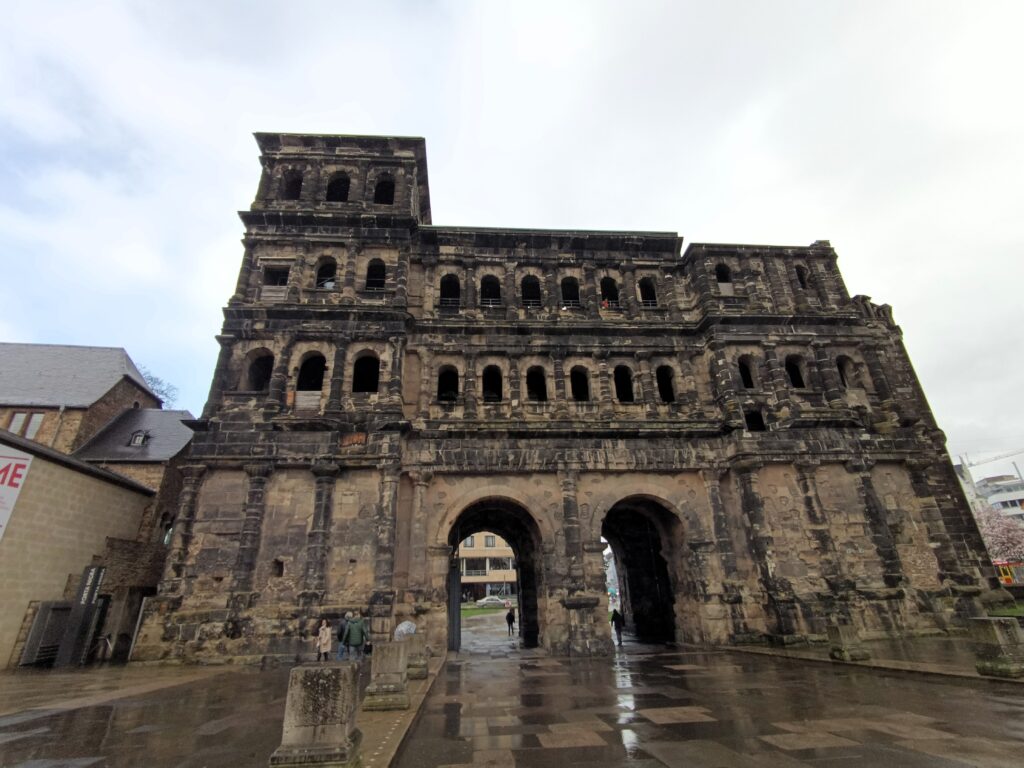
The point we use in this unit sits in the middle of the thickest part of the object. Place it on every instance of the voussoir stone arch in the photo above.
(693, 528)
(454, 508)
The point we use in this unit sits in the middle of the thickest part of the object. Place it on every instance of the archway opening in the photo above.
(506, 521)
(640, 533)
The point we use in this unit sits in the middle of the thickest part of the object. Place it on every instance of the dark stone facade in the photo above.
(750, 440)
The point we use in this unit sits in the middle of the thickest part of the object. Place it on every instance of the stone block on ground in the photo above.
(998, 647)
(320, 717)
(388, 688)
(844, 643)
(416, 649)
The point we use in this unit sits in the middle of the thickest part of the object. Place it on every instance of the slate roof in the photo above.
(165, 437)
(51, 375)
(37, 449)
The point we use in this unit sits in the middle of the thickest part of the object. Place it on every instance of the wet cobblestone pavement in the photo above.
(652, 708)
(496, 705)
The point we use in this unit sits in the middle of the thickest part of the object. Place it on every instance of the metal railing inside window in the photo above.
(649, 303)
(489, 302)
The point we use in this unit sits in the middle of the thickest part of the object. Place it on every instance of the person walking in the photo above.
(617, 623)
(341, 635)
(510, 619)
(323, 641)
(355, 637)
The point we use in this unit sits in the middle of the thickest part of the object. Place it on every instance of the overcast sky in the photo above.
(893, 129)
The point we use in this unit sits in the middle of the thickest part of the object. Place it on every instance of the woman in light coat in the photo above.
(323, 641)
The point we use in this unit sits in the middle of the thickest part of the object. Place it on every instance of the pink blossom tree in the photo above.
(1004, 536)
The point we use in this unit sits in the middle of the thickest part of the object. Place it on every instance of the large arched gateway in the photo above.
(514, 524)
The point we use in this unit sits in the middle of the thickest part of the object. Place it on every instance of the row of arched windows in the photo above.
(795, 367)
(338, 186)
(366, 379)
(723, 275)
(531, 295)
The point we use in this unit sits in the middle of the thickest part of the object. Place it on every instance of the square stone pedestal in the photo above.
(388, 688)
(844, 643)
(416, 647)
(320, 717)
(998, 647)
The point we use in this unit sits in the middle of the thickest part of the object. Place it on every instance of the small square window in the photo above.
(488, 541)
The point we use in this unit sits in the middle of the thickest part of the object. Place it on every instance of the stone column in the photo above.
(877, 516)
(515, 388)
(509, 289)
(627, 297)
(348, 281)
(337, 376)
(558, 364)
(294, 289)
(320, 718)
(395, 380)
(184, 520)
(429, 274)
(257, 476)
(554, 289)
(401, 297)
(648, 394)
(605, 408)
(778, 383)
(590, 292)
(723, 380)
(383, 598)
(469, 396)
(278, 380)
(471, 288)
(938, 537)
(571, 527)
(318, 540)
(419, 577)
(220, 376)
(720, 522)
(426, 379)
(829, 375)
(878, 377)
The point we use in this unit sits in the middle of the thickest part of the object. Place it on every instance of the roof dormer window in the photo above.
(139, 437)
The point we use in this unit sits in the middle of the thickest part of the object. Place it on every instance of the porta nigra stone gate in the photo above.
(751, 441)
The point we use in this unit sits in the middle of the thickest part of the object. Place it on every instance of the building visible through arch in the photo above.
(749, 440)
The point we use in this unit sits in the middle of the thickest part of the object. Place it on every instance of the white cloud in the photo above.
(890, 128)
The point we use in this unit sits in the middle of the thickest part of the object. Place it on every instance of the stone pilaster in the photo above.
(648, 394)
(337, 379)
(877, 518)
(220, 376)
(397, 344)
(723, 382)
(348, 280)
(257, 476)
(319, 537)
(244, 275)
(558, 365)
(515, 386)
(627, 298)
(589, 291)
(192, 478)
(469, 394)
(278, 381)
(826, 368)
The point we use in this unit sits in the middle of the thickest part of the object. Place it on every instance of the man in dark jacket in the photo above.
(341, 635)
(355, 637)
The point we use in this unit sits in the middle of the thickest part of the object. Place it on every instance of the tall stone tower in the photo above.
(750, 441)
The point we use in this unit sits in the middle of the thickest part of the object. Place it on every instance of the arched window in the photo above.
(847, 372)
(623, 384)
(447, 385)
(492, 384)
(794, 371)
(570, 292)
(490, 291)
(384, 192)
(802, 276)
(530, 288)
(666, 388)
(536, 385)
(746, 367)
(376, 275)
(311, 374)
(327, 274)
(451, 293)
(609, 293)
(754, 421)
(723, 274)
(366, 374)
(648, 294)
(291, 185)
(579, 384)
(261, 367)
(337, 188)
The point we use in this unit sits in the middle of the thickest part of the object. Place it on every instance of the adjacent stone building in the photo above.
(751, 441)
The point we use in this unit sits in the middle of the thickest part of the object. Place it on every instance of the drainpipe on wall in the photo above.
(60, 420)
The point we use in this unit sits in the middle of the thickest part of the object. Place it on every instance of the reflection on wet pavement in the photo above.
(655, 707)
